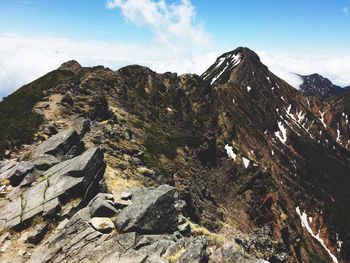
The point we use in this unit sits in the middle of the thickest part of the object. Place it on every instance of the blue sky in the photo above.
(280, 31)
(272, 23)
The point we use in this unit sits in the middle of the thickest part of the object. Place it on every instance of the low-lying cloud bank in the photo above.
(336, 67)
(23, 59)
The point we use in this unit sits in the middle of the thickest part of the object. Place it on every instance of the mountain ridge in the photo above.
(243, 148)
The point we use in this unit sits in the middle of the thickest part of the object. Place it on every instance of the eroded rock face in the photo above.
(151, 211)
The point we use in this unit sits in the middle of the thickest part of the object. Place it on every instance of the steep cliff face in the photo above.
(255, 160)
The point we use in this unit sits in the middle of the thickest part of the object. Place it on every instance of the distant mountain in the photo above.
(316, 85)
(256, 166)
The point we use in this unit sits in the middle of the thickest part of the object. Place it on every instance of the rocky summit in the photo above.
(123, 166)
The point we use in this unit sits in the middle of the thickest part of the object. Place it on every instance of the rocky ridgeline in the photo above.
(250, 158)
(54, 209)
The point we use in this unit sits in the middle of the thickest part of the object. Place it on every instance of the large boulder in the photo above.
(152, 211)
(68, 179)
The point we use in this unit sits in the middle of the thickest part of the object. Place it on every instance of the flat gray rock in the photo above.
(70, 178)
(57, 145)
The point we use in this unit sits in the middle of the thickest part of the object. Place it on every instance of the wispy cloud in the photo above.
(172, 24)
(345, 10)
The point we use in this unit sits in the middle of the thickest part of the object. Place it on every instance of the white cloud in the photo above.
(345, 10)
(172, 24)
(23, 59)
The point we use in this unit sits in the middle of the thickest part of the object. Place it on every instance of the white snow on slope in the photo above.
(218, 76)
(230, 153)
(338, 135)
(221, 60)
(322, 119)
(305, 224)
(232, 61)
(282, 133)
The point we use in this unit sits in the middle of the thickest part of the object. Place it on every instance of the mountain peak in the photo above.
(220, 71)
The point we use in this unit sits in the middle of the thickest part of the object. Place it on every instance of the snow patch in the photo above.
(230, 153)
(221, 60)
(246, 162)
(169, 109)
(338, 135)
(322, 119)
(339, 242)
(305, 223)
(218, 76)
(282, 133)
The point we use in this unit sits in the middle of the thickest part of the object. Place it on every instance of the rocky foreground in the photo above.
(55, 209)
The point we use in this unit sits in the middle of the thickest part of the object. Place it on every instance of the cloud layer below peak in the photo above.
(23, 59)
